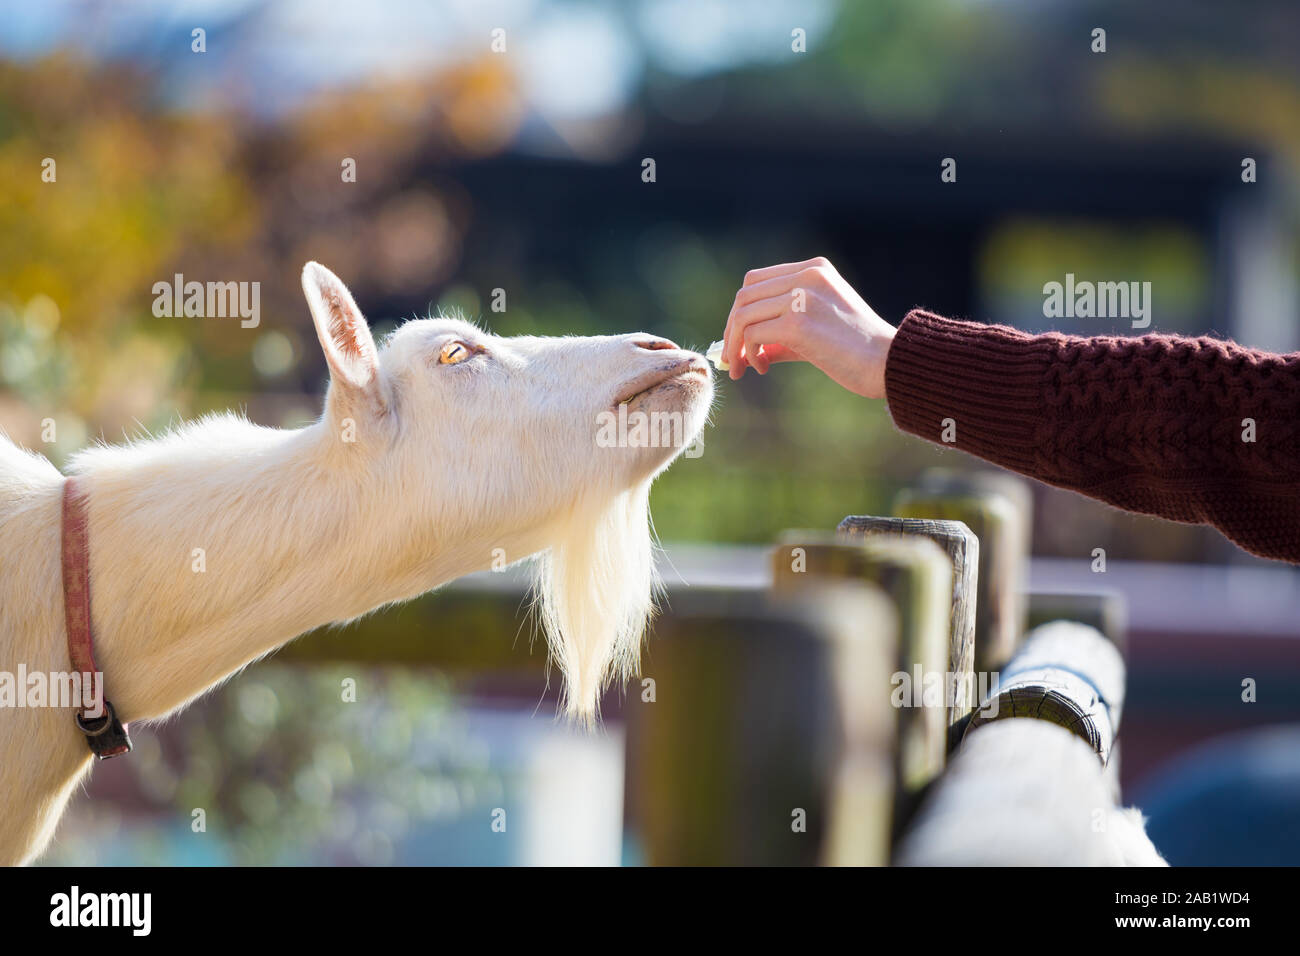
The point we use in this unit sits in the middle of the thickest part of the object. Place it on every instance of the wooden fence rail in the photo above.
(1025, 793)
(1030, 785)
(1066, 673)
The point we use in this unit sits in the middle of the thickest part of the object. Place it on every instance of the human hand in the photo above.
(806, 312)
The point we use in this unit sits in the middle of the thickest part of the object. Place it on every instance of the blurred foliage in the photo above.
(142, 193)
(150, 185)
(286, 772)
(1018, 253)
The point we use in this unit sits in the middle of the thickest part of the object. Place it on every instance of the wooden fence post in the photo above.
(962, 548)
(1066, 673)
(998, 508)
(917, 577)
(767, 738)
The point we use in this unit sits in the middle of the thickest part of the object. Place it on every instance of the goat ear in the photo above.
(343, 333)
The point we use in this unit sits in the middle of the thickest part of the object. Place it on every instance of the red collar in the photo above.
(106, 734)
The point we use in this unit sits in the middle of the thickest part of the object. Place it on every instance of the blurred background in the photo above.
(520, 168)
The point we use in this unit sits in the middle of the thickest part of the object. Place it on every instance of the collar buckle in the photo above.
(106, 734)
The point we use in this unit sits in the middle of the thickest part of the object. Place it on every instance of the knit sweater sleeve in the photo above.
(1190, 429)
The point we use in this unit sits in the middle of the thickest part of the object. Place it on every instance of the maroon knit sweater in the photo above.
(1151, 424)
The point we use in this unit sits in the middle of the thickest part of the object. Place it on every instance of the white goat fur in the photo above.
(301, 528)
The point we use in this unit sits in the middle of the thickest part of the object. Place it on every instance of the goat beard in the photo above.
(594, 592)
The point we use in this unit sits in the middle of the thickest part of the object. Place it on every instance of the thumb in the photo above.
(780, 353)
(766, 341)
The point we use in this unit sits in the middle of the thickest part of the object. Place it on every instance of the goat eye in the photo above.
(452, 353)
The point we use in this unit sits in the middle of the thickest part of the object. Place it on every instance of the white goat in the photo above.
(431, 454)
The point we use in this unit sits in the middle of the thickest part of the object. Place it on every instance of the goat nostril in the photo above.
(654, 344)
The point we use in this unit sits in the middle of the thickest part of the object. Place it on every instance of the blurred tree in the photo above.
(79, 255)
